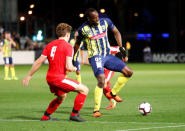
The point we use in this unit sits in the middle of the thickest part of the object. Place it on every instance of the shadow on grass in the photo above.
(23, 118)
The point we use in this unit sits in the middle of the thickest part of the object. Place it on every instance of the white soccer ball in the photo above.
(145, 108)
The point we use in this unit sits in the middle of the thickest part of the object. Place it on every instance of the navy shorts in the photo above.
(77, 65)
(8, 60)
(110, 62)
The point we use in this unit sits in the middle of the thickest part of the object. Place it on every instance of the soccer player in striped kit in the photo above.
(6, 48)
(94, 33)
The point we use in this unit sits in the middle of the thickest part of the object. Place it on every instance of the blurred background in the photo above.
(152, 30)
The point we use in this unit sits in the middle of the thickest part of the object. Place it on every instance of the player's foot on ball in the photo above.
(97, 114)
(14, 78)
(77, 118)
(48, 119)
(7, 78)
(112, 105)
(116, 98)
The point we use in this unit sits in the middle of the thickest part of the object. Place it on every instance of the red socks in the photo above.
(79, 101)
(107, 88)
(54, 104)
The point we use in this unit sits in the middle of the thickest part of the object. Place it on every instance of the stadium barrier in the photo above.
(27, 57)
(21, 57)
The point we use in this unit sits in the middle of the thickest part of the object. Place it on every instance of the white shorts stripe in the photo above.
(70, 83)
(109, 75)
(7, 60)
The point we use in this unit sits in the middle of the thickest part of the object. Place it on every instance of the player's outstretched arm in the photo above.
(13, 42)
(76, 46)
(36, 65)
(117, 36)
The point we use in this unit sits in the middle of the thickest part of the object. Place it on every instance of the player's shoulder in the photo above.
(82, 26)
(51, 43)
(68, 44)
(64, 44)
(106, 21)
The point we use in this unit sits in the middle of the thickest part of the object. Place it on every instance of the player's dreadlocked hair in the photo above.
(62, 29)
(87, 12)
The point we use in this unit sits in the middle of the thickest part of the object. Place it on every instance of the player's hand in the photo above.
(125, 59)
(26, 80)
(74, 69)
(123, 51)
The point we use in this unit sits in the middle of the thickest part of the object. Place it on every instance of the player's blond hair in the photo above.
(62, 29)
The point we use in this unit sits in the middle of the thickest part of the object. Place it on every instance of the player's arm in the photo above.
(13, 42)
(36, 65)
(78, 41)
(117, 36)
(76, 46)
(1, 47)
(69, 64)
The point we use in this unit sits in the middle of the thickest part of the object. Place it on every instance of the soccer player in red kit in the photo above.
(59, 54)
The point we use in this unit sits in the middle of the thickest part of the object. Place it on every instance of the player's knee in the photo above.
(7, 65)
(62, 97)
(130, 73)
(11, 65)
(127, 72)
(85, 90)
(78, 72)
(101, 81)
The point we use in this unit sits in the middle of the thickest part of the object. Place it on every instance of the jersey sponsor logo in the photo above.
(95, 37)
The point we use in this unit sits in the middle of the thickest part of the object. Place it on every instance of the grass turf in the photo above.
(162, 85)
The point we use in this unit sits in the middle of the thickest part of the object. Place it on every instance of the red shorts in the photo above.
(60, 87)
(108, 74)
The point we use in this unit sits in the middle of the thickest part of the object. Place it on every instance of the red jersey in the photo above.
(56, 52)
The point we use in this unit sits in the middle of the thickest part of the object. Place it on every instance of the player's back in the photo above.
(57, 51)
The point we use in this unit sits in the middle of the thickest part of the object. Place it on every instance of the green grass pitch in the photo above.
(162, 85)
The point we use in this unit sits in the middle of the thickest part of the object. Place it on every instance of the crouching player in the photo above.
(59, 54)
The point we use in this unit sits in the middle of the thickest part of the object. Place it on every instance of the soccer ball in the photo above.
(145, 108)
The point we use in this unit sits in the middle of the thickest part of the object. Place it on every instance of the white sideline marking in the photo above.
(16, 120)
(112, 122)
(136, 129)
